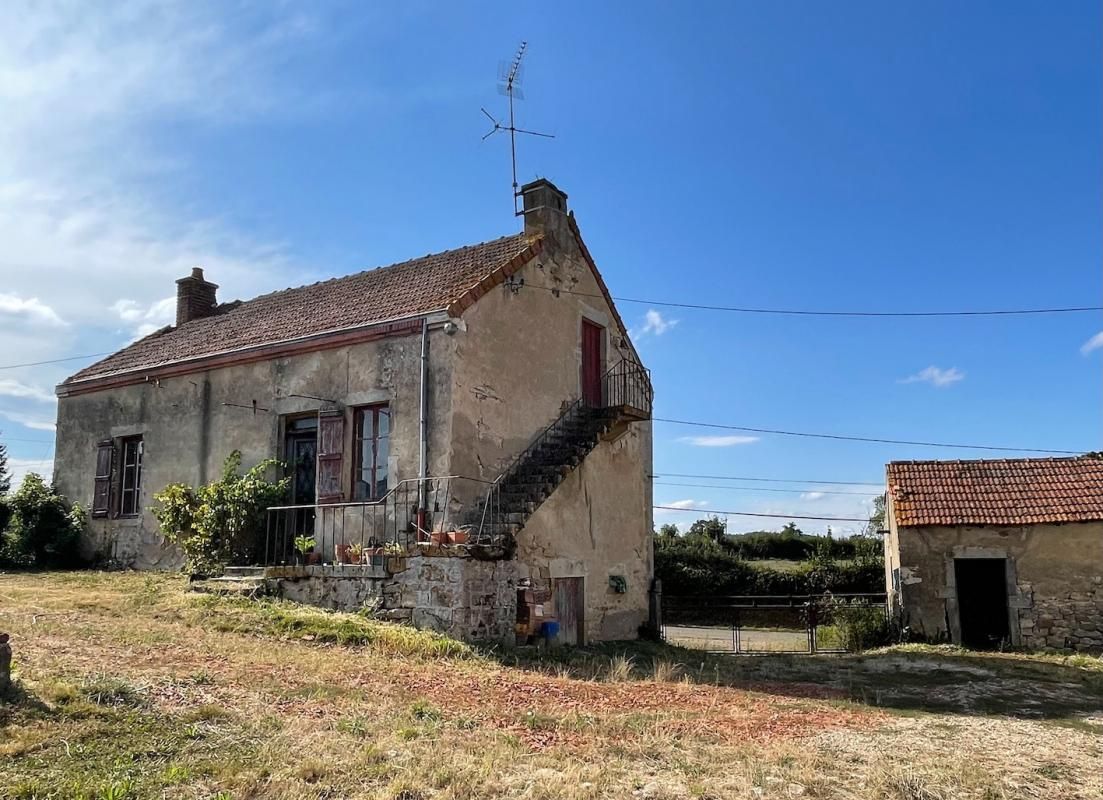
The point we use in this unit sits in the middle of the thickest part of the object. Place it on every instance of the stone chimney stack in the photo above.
(545, 208)
(195, 297)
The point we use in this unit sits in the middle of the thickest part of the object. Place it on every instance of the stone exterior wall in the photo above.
(519, 363)
(449, 592)
(1054, 580)
(188, 430)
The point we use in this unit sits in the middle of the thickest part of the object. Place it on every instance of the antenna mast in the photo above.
(510, 76)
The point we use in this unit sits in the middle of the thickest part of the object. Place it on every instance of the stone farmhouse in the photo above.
(468, 436)
(991, 552)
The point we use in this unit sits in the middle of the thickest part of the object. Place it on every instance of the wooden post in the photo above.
(5, 664)
(656, 608)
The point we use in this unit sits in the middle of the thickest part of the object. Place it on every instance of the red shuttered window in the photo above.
(331, 446)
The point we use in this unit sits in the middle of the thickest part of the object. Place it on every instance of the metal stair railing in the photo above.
(625, 388)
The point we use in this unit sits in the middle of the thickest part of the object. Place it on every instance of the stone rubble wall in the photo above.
(1071, 620)
(449, 592)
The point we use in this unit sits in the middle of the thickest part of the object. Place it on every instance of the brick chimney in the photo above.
(195, 297)
(545, 207)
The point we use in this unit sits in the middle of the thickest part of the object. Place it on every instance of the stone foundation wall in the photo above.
(451, 592)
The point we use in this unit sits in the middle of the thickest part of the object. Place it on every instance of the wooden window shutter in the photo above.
(101, 496)
(331, 450)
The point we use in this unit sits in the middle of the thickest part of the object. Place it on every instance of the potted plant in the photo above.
(394, 554)
(353, 553)
(304, 546)
(457, 537)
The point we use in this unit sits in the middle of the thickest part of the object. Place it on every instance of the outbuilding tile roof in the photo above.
(1011, 491)
(407, 289)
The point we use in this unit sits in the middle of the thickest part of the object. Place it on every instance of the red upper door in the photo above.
(591, 363)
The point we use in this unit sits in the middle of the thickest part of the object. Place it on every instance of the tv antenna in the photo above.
(510, 77)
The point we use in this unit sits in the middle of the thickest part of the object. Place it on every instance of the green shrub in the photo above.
(42, 528)
(856, 625)
(220, 523)
(690, 565)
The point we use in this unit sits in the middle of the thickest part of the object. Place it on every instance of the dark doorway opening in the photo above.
(982, 601)
(592, 336)
(301, 453)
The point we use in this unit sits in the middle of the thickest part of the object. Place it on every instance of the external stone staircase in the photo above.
(560, 449)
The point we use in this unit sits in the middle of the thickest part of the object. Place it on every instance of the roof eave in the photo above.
(397, 326)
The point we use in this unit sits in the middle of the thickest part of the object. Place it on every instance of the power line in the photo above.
(764, 480)
(4, 438)
(754, 514)
(53, 361)
(866, 438)
(763, 489)
(809, 313)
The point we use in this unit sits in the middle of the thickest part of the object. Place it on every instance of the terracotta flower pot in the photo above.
(457, 537)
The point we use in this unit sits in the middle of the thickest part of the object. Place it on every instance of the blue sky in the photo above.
(801, 155)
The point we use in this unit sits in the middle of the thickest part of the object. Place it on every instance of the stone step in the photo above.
(243, 572)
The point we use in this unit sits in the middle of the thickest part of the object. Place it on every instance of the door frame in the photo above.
(1014, 601)
(600, 366)
(290, 436)
(580, 605)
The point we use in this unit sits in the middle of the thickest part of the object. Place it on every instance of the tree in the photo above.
(711, 528)
(668, 531)
(44, 529)
(5, 476)
(876, 522)
(791, 529)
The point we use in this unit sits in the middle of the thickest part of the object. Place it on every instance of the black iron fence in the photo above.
(627, 388)
(414, 512)
(771, 623)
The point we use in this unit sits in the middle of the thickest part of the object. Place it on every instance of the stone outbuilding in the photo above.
(1000, 552)
(468, 435)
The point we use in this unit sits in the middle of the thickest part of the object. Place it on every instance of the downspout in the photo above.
(423, 460)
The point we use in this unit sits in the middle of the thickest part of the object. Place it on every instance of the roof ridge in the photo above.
(384, 267)
(1024, 459)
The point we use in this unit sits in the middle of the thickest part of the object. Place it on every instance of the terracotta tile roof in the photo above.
(407, 289)
(1013, 491)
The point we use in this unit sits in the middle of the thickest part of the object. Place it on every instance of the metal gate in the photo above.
(760, 623)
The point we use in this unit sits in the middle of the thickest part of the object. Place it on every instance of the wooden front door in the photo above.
(592, 336)
(570, 610)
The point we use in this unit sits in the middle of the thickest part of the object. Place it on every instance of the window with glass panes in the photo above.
(130, 486)
(371, 447)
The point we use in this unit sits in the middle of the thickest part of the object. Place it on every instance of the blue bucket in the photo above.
(550, 629)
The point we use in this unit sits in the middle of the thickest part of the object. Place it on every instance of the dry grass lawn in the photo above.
(130, 687)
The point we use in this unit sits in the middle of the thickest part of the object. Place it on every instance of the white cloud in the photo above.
(685, 504)
(144, 321)
(30, 421)
(812, 496)
(89, 202)
(30, 307)
(936, 376)
(1094, 343)
(717, 441)
(655, 323)
(19, 467)
(10, 387)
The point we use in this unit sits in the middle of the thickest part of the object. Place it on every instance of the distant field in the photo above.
(130, 687)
